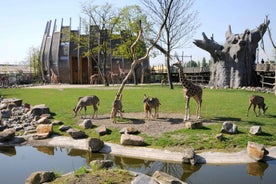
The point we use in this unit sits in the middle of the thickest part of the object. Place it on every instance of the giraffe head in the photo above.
(178, 64)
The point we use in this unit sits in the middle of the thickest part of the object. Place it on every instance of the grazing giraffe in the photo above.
(257, 100)
(150, 103)
(190, 90)
(87, 101)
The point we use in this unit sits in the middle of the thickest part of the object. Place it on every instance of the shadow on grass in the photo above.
(255, 123)
(175, 120)
(226, 119)
(271, 116)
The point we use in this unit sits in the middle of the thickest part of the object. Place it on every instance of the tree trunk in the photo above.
(234, 61)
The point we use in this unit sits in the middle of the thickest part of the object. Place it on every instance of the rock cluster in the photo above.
(23, 119)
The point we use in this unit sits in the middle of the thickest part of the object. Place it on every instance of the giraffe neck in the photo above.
(185, 83)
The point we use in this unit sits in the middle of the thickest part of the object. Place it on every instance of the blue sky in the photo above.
(23, 23)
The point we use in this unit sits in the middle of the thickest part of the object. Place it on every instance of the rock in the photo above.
(102, 130)
(6, 113)
(193, 125)
(43, 120)
(57, 122)
(43, 131)
(189, 156)
(86, 124)
(229, 127)
(102, 164)
(129, 130)
(76, 134)
(134, 140)
(141, 178)
(256, 151)
(7, 134)
(17, 102)
(38, 110)
(64, 128)
(95, 145)
(220, 137)
(164, 178)
(40, 177)
(255, 130)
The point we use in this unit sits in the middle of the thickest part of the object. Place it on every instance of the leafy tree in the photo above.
(179, 28)
(128, 27)
(33, 57)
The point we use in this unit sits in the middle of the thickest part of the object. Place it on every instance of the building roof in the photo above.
(9, 69)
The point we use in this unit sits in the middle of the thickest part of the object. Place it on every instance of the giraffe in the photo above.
(189, 90)
(94, 79)
(121, 71)
(54, 77)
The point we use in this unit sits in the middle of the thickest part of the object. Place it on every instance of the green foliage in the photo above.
(218, 105)
(80, 172)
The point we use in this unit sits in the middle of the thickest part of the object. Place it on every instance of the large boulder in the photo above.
(7, 134)
(43, 131)
(189, 156)
(256, 151)
(95, 145)
(134, 140)
(40, 177)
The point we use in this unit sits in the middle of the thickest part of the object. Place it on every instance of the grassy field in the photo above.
(218, 106)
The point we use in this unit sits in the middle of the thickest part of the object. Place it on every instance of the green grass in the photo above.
(218, 106)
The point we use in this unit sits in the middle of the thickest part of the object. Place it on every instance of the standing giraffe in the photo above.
(121, 71)
(190, 90)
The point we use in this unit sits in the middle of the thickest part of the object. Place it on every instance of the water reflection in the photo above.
(66, 160)
(256, 169)
(8, 150)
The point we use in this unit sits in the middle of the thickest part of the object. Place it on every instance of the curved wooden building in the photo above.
(63, 61)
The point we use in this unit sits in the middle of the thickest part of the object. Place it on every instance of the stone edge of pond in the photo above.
(146, 153)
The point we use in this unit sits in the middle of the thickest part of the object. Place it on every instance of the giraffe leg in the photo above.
(255, 110)
(187, 109)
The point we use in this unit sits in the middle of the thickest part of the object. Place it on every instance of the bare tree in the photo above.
(180, 25)
(106, 18)
(137, 60)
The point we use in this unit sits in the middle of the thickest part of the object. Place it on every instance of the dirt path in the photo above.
(165, 123)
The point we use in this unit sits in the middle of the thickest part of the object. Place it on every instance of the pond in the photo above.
(17, 163)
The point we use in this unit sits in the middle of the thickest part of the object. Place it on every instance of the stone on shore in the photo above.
(40, 177)
(95, 145)
(102, 164)
(43, 131)
(134, 140)
(256, 151)
(162, 177)
(7, 134)
(189, 156)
